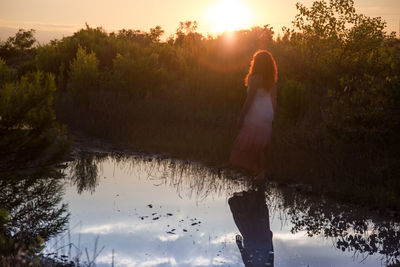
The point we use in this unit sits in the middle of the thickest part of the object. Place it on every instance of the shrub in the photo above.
(293, 102)
(5, 72)
(83, 74)
(29, 135)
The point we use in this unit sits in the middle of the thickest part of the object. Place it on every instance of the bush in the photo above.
(5, 72)
(83, 74)
(29, 135)
(294, 101)
(136, 74)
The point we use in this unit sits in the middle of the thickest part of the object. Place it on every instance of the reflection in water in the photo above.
(251, 216)
(85, 172)
(188, 178)
(34, 215)
(353, 230)
(351, 227)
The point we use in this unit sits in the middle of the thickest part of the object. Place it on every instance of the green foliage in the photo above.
(31, 143)
(294, 102)
(23, 40)
(29, 135)
(5, 72)
(18, 51)
(47, 58)
(137, 75)
(27, 103)
(357, 54)
(83, 74)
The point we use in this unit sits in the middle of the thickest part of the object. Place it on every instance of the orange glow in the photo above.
(229, 15)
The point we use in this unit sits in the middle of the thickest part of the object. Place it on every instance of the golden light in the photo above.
(229, 15)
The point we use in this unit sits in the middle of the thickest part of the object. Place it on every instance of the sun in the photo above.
(228, 15)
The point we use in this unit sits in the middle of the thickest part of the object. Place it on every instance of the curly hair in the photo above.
(264, 66)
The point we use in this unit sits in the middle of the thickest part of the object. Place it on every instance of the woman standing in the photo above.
(255, 120)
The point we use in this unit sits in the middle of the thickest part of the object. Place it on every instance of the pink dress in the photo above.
(254, 136)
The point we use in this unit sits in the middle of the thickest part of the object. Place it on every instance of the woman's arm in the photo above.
(274, 95)
(249, 100)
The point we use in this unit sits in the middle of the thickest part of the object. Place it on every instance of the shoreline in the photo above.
(82, 143)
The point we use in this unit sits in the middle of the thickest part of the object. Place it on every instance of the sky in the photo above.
(190, 221)
(54, 19)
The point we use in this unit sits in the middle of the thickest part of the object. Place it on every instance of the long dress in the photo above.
(251, 143)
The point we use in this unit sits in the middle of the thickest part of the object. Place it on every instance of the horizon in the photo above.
(65, 18)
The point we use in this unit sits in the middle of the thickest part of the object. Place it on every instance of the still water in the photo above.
(149, 211)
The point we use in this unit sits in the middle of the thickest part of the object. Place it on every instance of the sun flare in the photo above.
(229, 15)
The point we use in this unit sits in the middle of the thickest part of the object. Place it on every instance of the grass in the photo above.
(155, 127)
(357, 173)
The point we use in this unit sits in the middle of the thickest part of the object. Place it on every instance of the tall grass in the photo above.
(153, 126)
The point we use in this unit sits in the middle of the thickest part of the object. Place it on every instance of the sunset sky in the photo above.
(54, 19)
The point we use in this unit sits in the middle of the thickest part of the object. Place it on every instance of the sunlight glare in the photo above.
(229, 15)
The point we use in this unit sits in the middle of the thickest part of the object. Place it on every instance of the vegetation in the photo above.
(31, 143)
(29, 136)
(338, 111)
(31, 213)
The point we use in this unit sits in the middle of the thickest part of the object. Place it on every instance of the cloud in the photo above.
(121, 227)
(226, 238)
(38, 25)
(198, 261)
(129, 262)
(168, 238)
(381, 10)
(221, 261)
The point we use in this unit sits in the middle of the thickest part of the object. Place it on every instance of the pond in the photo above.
(152, 211)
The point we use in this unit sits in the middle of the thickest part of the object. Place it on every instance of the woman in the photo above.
(255, 120)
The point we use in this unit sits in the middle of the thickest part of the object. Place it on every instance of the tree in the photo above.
(18, 51)
(345, 56)
(30, 139)
(83, 74)
(22, 41)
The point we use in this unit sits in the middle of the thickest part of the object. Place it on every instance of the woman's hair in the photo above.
(264, 66)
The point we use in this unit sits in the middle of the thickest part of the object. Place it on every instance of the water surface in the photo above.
(148, 211)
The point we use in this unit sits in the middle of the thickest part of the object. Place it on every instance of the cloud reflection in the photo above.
(163, 212)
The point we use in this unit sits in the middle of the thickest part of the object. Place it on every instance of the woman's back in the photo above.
(261, 110)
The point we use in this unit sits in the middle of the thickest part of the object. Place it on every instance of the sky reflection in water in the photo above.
(172, 213)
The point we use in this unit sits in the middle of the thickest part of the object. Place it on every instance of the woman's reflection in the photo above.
(250, 213)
